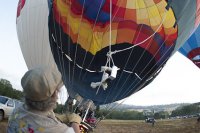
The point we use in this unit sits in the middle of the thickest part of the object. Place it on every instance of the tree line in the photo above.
(6, 89)
(188, 110)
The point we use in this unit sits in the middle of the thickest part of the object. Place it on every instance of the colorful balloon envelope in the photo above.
(107, 50)
(191, 48)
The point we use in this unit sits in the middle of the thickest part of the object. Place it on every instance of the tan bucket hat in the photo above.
(40, 83)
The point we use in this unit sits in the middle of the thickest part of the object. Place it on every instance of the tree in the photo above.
(161, 114)
(5, 83)
(186, 110)
(6, 89)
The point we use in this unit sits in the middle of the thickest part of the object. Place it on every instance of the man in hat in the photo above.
(40, 87)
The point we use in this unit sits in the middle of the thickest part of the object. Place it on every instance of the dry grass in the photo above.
(161, 126)
(133, 126)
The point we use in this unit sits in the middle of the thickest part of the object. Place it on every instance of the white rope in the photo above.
(159, 69)
(112, 108)
(110, 50)
(55, 39)
(91, 38)
(61, 53)
(140, 56)
(86, 112)
(135, 80)
(145, 74)
(77, 42)
(109, 54)
(137, 44)
(69, 67)
(120, 3)
(101, 81)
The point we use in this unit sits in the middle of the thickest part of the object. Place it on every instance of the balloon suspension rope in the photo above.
(110, 52)
(109, 56)
(86, 112)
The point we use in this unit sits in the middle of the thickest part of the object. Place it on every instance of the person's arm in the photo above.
(75, 126)
(74, 120)
(71, 119)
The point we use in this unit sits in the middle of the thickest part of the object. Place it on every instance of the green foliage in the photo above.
(6, 89)
(6, 83)
(161, 114)
(186, 110)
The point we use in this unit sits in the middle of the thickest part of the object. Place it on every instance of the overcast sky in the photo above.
(177, 83)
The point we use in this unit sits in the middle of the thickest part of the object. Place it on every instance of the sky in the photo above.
(178, 82)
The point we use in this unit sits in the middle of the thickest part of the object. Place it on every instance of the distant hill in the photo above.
(197, 103)
(155, 108)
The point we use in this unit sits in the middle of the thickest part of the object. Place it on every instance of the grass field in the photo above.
(161, 126)
(120, 126)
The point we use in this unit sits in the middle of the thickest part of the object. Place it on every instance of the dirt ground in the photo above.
(120, 126)
(3, 126)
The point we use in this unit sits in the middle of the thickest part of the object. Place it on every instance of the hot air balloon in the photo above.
(107, 50)
(191, 48)
(32, 31)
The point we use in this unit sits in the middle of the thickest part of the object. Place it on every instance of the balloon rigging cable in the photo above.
(109, 54)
